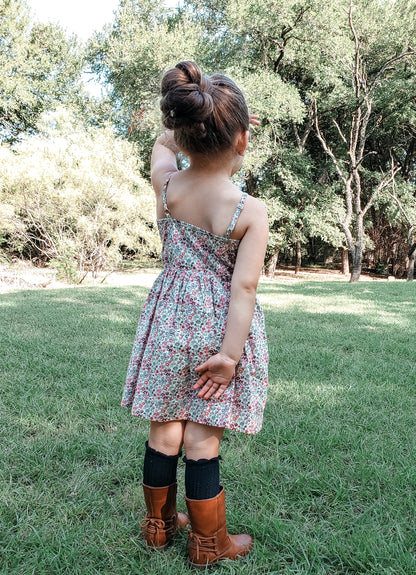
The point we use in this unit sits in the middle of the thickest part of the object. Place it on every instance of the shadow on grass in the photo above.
(327, 486)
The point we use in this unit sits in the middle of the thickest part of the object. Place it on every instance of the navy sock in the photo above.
(202, 478)
(159, 469)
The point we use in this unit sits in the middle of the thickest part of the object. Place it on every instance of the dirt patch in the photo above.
(323, 274)
(288, 272)
(23, 276)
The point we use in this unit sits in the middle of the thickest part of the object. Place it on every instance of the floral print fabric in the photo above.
(183, 323)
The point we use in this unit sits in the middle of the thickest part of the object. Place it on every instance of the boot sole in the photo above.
(213, 564)
(154, 548)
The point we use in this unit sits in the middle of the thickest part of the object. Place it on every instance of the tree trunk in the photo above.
(357, 259)
(345, 262)
(272, 264)
(411, 267)
(251, 185)
(298, 257)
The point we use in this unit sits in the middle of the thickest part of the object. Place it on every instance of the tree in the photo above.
(406, 202)
(131, 54)
(263, 44)
(40, 67)
(334, 87)
(365, 82)
(74, 197)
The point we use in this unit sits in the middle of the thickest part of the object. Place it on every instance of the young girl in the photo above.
(199, 361)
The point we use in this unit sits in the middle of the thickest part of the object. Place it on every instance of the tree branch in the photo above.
(284, 38)
(411, 250)
(325, 145)
(383, 184)
(340, 132)
(357, 58)
(363, 130)
(372, 153)
(387, 63)
(398, 202)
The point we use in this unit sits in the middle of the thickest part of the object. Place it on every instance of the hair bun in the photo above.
(191, 70)
(206, 114)
(186, 100)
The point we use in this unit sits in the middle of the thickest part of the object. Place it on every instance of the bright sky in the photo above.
(80, 16)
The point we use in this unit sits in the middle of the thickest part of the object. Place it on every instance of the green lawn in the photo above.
(327, 487)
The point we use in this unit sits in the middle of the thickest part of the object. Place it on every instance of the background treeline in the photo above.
(334, 84)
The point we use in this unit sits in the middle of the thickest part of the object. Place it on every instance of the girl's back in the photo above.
(207, 202)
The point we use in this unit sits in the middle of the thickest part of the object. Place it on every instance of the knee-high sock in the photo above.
(202, 478)
(159, 469)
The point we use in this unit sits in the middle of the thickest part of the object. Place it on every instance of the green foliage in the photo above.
(131, 55)
(245, 42)
(285, 55)
(39, 65)
(74, 197)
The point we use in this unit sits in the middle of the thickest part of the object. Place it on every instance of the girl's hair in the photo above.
(205, 113)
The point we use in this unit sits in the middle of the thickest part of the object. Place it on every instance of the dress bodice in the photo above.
(188, 247)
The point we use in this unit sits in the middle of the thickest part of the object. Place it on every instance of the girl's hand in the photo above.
(216, 374)
(254, 120)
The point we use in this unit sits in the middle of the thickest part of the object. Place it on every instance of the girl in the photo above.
(199, 361)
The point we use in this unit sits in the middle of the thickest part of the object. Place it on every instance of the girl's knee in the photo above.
(201, 441)
(166, 437)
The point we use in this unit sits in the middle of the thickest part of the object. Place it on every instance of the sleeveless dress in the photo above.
(183, 323)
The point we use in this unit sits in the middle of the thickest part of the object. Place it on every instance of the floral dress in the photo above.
(183, 323)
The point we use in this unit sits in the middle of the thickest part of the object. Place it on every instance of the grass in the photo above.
(328, 486)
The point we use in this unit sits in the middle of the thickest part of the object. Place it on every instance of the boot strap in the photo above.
(202, 544)
(152, 525)
(171, 525)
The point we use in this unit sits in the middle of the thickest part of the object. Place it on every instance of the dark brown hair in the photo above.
(205, 113)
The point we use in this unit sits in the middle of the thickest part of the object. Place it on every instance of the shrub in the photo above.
(74, 197)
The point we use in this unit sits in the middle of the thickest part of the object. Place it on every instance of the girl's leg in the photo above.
(202, 472)
(209, 540)
(167, 437)
(159, 483)
(162, 453)
(201, 441)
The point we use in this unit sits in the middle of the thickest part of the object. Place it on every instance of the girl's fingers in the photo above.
(210, 391)
(202, 367)
(202, 393)
(219, 392)
(201, 381)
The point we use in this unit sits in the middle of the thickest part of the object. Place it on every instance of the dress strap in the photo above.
(165, 202)
(236, 214)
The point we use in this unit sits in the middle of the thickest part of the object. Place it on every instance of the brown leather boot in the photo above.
(161, 521)
(209, 540)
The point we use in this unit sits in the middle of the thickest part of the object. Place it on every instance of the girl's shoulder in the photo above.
(160, 180)
(255, 208)
(253, 216)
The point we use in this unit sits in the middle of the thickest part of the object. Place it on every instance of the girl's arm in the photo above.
(163, 163)
(218, 370)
